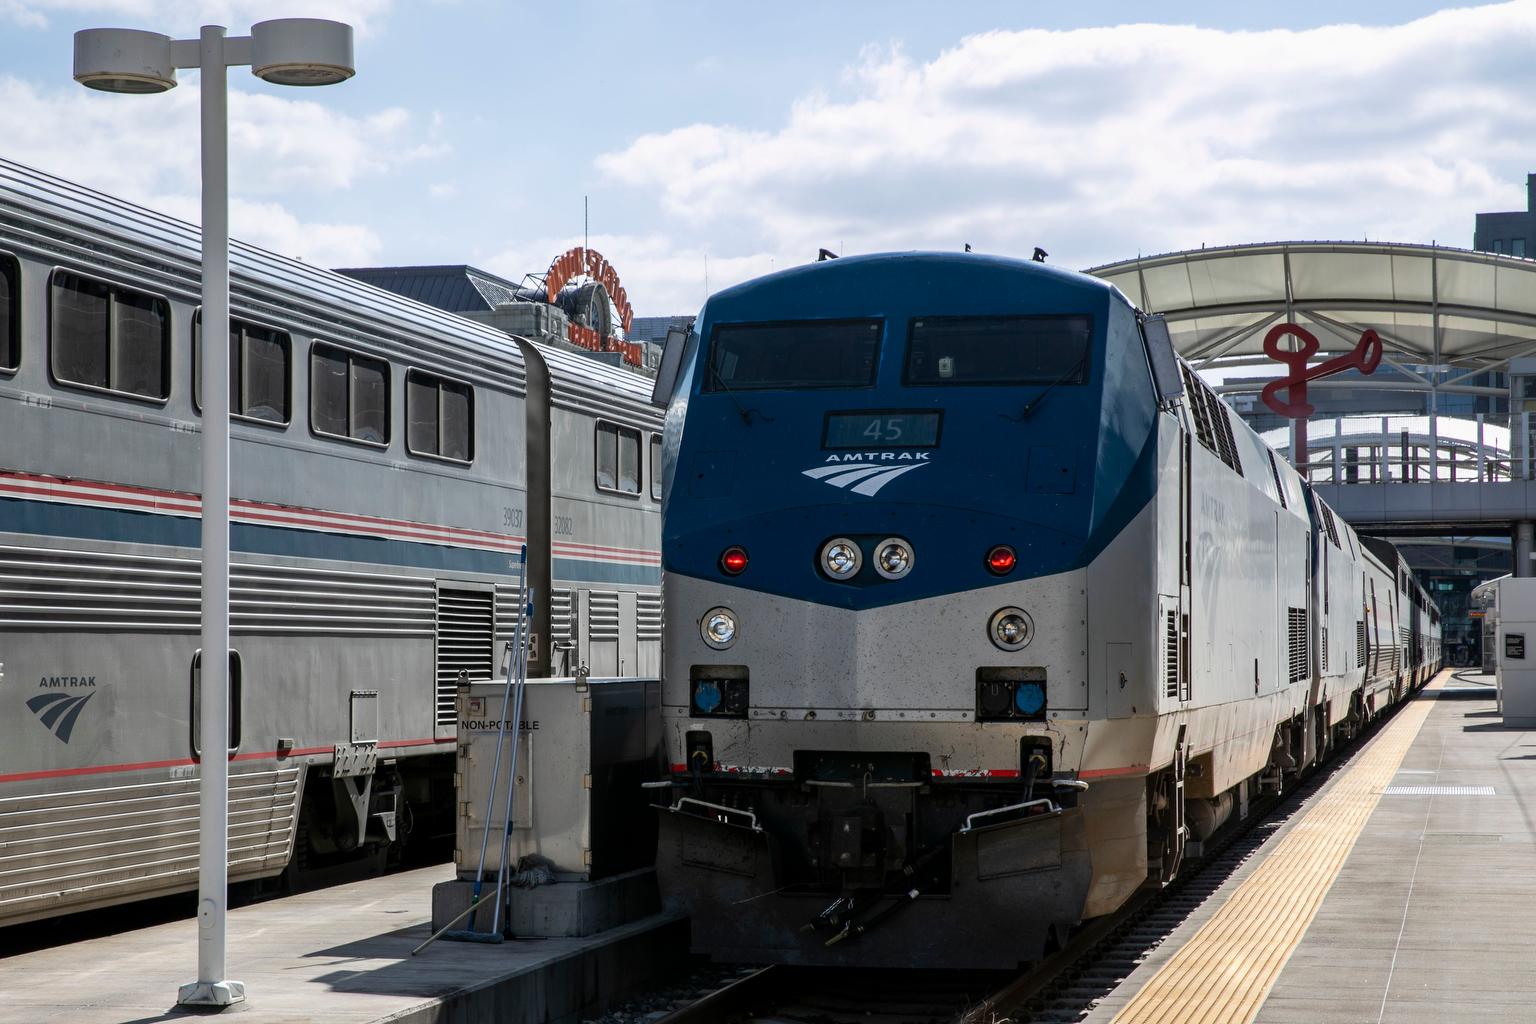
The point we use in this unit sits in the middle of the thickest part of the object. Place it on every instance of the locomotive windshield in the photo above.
(807, 354)
(999, 350)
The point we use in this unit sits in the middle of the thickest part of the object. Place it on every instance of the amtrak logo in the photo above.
(862, 477)
(58, 711)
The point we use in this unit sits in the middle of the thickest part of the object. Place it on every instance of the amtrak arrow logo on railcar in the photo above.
(59, 711)
(864, 478)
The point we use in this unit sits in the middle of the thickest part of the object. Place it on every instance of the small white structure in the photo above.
(1517, 651)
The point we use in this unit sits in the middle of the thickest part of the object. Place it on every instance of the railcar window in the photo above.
(656, 467)
(945, 350)
(618, 459)
(349, 395)
(10, 309)
(789, 356)
(439, 417)
(109, 337)
(259, 360)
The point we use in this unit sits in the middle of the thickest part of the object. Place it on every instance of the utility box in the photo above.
(586, 747)
(1516, 649)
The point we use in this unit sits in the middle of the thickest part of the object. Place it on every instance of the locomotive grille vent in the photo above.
(42, 589)
(648, 616)
(466, 623)
(1213, 425)
(560, 617)
(1359, 643)
(1298, 643)
(1325, 650)
(604, 616)
(1331, 525)
(507, 611)
(1171, 654)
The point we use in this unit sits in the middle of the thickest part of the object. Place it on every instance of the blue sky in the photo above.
(748, 135)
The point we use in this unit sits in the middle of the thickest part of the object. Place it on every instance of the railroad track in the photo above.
(832, 995)
(1060, 989)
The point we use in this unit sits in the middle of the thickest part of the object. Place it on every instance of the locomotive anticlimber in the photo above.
(975, 620)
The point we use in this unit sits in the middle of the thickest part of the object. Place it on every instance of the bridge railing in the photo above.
(1419, 449)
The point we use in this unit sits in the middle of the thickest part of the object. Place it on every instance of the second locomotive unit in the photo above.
(981, 609)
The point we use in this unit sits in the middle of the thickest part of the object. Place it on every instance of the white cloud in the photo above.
(1099, 143)
(181, 18)
(145, 149)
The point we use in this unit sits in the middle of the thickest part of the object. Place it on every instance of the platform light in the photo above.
(287, 51)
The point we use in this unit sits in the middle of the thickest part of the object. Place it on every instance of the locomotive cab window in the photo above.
(259, 361)
(348, 396)
(618, 459)
(998, 350)
(792, 356)
(10, 313)
(656, 467)
(109, 338)
(439, 417)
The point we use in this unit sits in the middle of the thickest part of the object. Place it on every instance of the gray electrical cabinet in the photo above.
(586, 747)
(1515, 646)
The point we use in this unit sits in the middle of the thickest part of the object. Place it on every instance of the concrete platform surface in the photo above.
(1427, 917)
(343, 955)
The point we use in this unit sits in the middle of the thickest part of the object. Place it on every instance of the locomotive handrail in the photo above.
(1050, 806)
(720, 808)
(1077, 784)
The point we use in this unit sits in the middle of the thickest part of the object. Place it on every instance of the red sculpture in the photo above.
(1365, 357)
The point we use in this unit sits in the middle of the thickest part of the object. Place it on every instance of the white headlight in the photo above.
(1010, 629)
(893, 558)
(718, 628)
(841, 558)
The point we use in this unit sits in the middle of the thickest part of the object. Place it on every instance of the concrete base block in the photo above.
(558, 910)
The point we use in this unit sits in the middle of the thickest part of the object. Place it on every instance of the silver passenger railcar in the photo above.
(389, 460)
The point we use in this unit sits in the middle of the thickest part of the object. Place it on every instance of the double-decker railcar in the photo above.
(388, 462)
(982, 607)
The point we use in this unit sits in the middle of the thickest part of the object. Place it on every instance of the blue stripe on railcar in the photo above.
(123, 526)
(1055, 474)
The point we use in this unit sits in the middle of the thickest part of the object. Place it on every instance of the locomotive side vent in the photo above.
(648, 616)
(1213, 424)
(1325, 650)
(604, 612)
(1171, 654)
(1359, 643)
(466, 625)
(1298, 643)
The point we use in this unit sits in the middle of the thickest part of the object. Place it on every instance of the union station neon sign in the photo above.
(579, 262)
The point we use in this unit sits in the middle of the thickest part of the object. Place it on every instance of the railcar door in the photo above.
(1186, 565)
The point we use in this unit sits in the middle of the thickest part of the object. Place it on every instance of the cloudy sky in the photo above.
(742, 137)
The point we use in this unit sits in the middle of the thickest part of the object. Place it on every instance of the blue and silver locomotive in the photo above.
(981, 609)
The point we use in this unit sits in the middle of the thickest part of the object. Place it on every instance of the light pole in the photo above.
(289, 51)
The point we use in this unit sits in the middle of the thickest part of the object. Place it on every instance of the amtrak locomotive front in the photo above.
(876, 657)
(981, 609)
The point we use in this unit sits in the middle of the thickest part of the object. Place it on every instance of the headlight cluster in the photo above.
(841, 558)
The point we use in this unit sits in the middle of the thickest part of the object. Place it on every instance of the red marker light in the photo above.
(1001, 560)
(733, 561)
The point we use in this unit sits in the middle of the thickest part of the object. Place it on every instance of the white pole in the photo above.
(212, 988)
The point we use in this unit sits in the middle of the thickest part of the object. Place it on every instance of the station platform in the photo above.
(341, 955)
(1402, 893)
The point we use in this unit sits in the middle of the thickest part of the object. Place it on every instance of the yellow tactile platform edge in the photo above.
(1224, 973)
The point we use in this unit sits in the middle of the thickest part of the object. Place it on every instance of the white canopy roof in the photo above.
(1431, 305)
